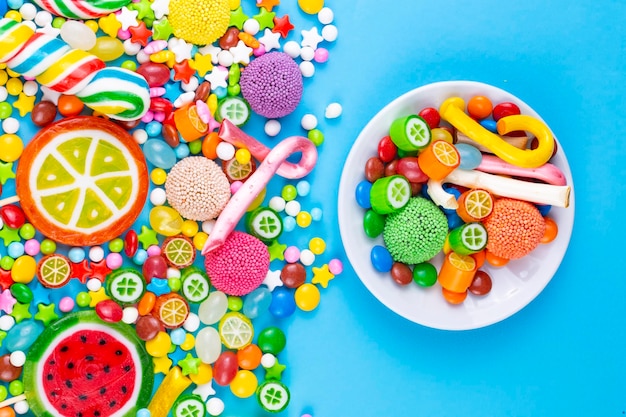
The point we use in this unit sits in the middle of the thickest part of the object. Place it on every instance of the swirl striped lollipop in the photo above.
(81, 9)
(38, 53)
(117, 92)
(13, 36)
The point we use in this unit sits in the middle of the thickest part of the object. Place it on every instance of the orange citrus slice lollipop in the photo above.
(82, 181)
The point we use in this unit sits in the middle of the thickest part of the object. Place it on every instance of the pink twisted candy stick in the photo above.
(274, 162)
(548, 173)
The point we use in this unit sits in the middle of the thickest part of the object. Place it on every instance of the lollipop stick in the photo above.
(12, 401)
(9, 200)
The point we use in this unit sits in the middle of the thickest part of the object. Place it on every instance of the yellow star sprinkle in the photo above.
(162, 365)
(202, 64)
(24, 104)
(322, 275)
(110, 25)
(97, 296)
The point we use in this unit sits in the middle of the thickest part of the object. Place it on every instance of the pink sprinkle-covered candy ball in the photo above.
(239, 266)
(272, 84)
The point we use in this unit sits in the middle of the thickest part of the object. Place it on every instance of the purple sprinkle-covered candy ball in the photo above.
(272, 84)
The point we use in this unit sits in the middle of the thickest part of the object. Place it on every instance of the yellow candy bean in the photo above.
(234, 4)
(14, 86)
(199, 240)
(244, 384)
(4, 77)
(166, 221)
(24, 269)
(307, 297)
(189, 342)
(92, 24)
(190, 228)
(107, 48)
(204, 375)
(11, 147)
(159, 346)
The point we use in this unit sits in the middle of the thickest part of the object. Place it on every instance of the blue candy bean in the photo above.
(381, 259)
(283, 303)
(470, 156)
(362, 194)
(489, 124)
(159, 153)
(257, 302)
(22, 336)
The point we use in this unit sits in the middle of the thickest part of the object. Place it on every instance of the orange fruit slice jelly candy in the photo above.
(82, 181)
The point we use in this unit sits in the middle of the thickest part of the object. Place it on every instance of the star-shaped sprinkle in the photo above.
(161, 30)
(268, 4)
(265, 18)
(282, 25)
(7, 301)
(212, 50)
(50, 95)
(46, 314)
(143, 9)
(202, 63)
(147, 237)
(275, 372)
(217, 77)
(81, 270)
(160, 8)
(100, 270)
(241, 53)
(97, 296)
(189, 365)
(204, 391)
(182, 50)
(40, 294)
(183, 71)
(127, 17)
(277, 250)
(20, 312)
(238, 18)
(6, 172)
(110, 25)
(272, 280)
(9, 235)
(270, 40)
(158, 286)
(140, 33)
(162, 365)
(322, 275)
(24, 104)
(5, 279)
(311, 38)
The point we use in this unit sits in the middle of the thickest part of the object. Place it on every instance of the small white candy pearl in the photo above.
(272, 127)
(292, 48)
(21, 407)
(157, 196)
(94, 284)
(268, 360)
(307, 53)
(329, 33)
(31, 88)
(3, 93)
(96, 253)
(207, 226)
(251, 26)
(28, 11)
(130, 315)
(333, 110)
(308, 122)
(215, 406)
(307, 69)
(173, 273)
(43, 18)
(133, 48)
(326, 15)
(17, 358)
(292, 208)
(192, 85)
(6, 323)
(140, 136)
(10, 125)
(277, 203)
(307, 257)
(192, 323)
(225, 58)
(225, 151)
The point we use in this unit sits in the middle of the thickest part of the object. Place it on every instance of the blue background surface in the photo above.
(564, 353)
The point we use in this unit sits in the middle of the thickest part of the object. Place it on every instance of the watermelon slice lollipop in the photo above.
(82, 181)
(81, 366)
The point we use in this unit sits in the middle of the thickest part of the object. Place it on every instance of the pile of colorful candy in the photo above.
(124, 287)
(471, 185)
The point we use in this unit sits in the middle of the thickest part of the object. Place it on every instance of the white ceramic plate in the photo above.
(514, 286)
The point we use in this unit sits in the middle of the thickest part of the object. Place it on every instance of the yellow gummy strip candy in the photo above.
(172, 386)
(452, 111)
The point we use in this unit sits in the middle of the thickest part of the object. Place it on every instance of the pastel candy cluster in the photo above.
(81, 9)
(119, 93)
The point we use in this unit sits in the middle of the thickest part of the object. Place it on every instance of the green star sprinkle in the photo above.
(161, 30)
(277, 251)
(9, 235)
(46, 314)
(275, 372)
(265, 19)
(20, 312)
(189, 365)
(147, 237)
(6, 172)
(238, 18)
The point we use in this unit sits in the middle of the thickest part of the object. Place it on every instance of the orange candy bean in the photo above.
(495, 260)
(479, 107)
(7, 412)
(70, 105)
(453, 297)
(249, 357)
(552, 230)
(146, 303)
(209, 145)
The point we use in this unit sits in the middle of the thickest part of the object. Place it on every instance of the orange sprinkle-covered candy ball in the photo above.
(199, 22)
(514, 228)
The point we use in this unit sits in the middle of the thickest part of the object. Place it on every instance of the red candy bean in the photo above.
(481, 284)
(170, 135)
(225, 368)
(161, 104)
(230, 38)
(12, 216)
(131, 243)
(401, 273)
(505, 109)
(431, 115)
(374, 169)
(391, 168)
(156, 74)
(293, 275)
(147, 327)
(8, 372)
(43, 113)
(409, 168)
(109, 310)
(387, 150)
(154, 267)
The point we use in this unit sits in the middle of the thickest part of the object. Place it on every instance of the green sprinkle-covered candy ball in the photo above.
(415, 233)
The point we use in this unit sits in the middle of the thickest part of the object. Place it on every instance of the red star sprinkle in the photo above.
(282, 25)
(100, 270)
(183, 71)
(5, 279)
(81, 270)
(140, 34)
